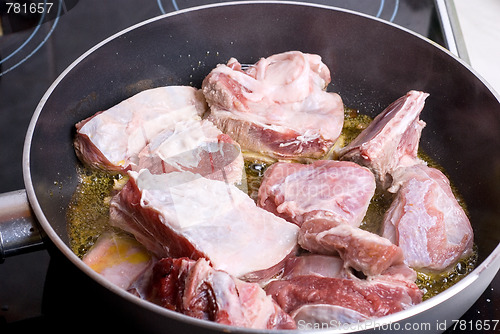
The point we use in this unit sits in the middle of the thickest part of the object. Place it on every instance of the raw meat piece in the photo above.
(277, 107)
(119, 258)
(400, 272)
(318, 289)
(333, 266)
(426, 221)
(195, 146)
(196, 289)
(361, 250)
(183, 214)
(391, 140)
(337, 191)
(355, 299)
(329, 199)
(111, 139)
(262, 277)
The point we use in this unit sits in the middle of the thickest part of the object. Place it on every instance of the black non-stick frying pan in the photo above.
(372, 63)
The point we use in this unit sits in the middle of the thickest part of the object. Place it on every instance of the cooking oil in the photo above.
(88, 212)
(433, 283)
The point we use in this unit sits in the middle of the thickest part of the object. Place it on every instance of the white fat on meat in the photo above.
(182, 214)
(426, 220)
(195, 146)
(391, 140)
(277, 107)
(113, 138)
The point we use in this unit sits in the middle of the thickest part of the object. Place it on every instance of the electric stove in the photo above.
(42, 290)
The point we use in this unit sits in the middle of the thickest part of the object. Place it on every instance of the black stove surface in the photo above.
(41, 290)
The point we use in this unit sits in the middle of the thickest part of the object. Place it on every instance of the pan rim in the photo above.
(493, 259)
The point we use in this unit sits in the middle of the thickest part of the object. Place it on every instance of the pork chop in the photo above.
(278, 107)
(112, 139)
(194, 146)
(342, 300)
(391, 140)
(338, 191)
(426, 220)
(183, 214)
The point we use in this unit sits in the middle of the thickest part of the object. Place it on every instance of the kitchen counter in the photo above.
(479, 28)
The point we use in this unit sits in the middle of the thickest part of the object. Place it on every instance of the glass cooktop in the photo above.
(38, 40)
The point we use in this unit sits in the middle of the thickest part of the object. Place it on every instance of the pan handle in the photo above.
(19, 230)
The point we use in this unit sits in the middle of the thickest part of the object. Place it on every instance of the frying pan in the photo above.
(372, 63)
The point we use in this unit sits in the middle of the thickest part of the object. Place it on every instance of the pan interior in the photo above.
(372, 63)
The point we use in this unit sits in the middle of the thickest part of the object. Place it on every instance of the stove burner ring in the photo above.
(30, 38)
(381, 8)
